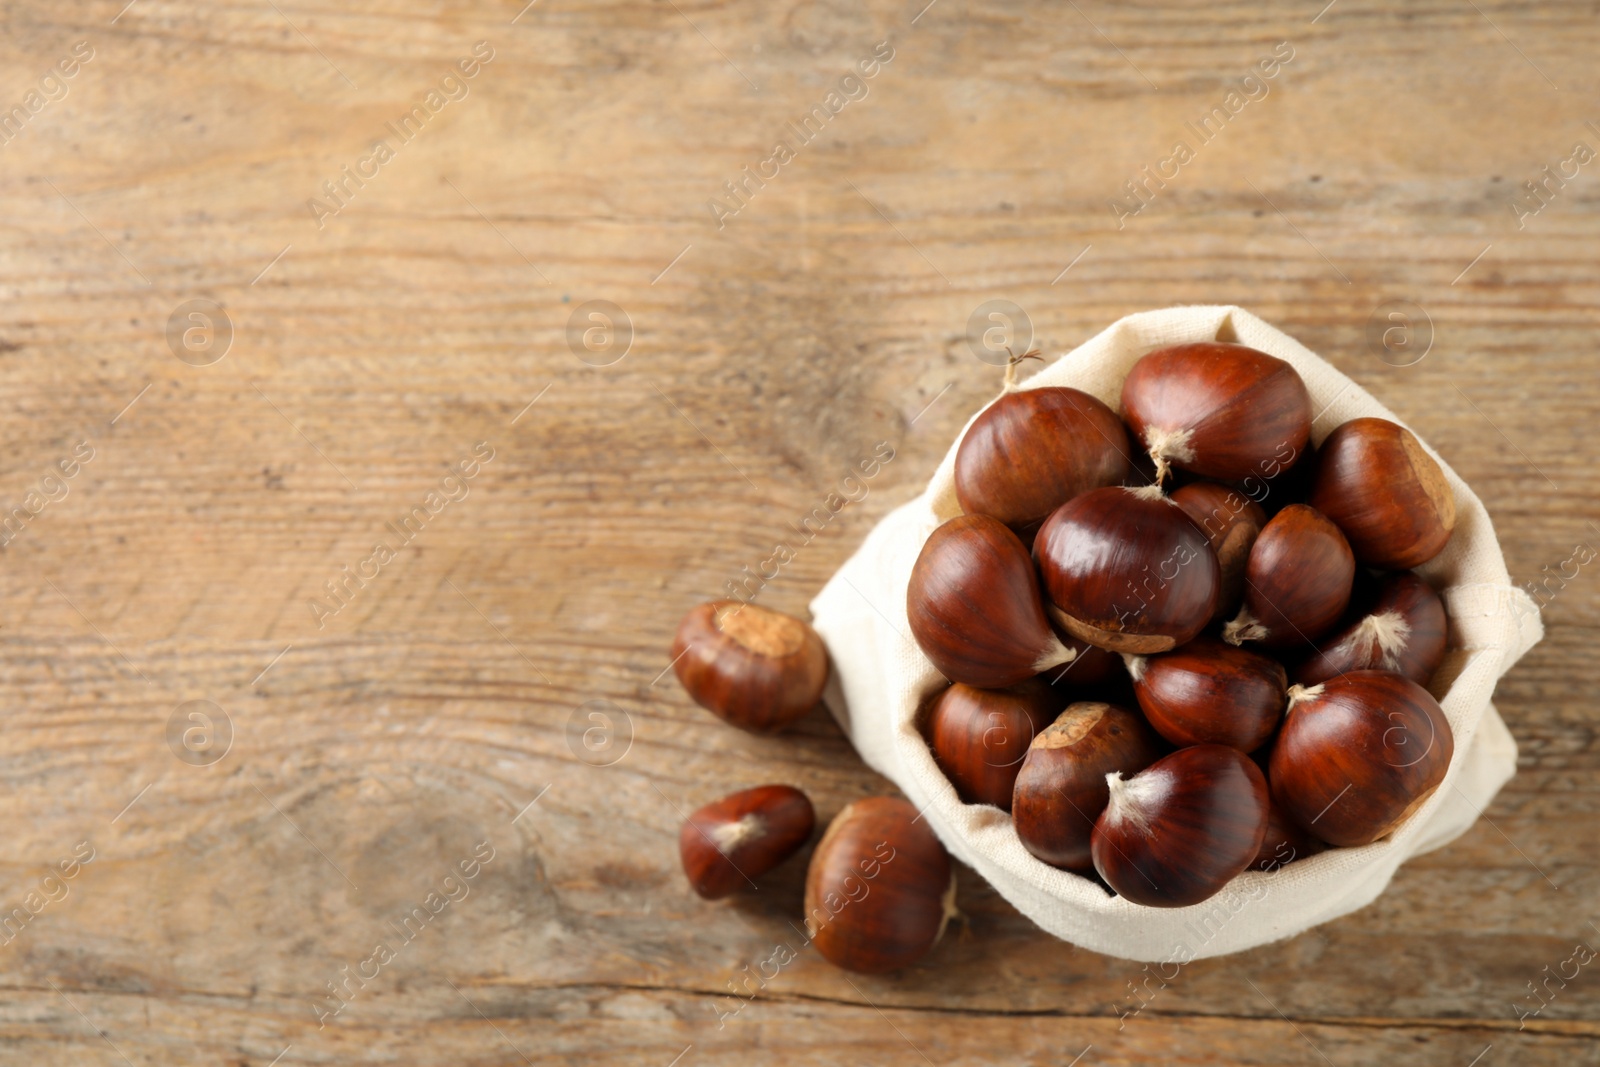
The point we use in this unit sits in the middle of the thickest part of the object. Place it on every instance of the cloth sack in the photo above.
(880, 677)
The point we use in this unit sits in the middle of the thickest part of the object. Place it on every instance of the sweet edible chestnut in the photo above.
(1208, 692)
(1061, 788)
(1182, 828)
(979, 736)
(1218, 409)
(1358, 754)
(1404, 630)
(1231, 521)
(757, 669)
(1285, 841)
(1127, 570)
(1297, 581)
(1033, 450)
(974, 606)
(1375, 480)
(731, 841)
(880, 887)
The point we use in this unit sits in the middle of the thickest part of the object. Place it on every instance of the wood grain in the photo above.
(372, 754)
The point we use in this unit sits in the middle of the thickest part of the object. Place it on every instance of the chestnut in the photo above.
(1031, 451)
(1390, 497)
(757, 669)
(1061, 788)
(1182, 828)
(1217, 409)
(979, 736)
(1404, 630)
(880, 888)
(1297, 581)
(1208, 692)
(974, 606)
(1358, 754)
(1285, 840)
(1127, 570)
(1231, 521)
(743, 836)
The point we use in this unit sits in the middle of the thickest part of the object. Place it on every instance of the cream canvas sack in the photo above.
(880, 676)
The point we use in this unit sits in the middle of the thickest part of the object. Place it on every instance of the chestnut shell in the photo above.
(974, 606)
(756, 669)
(879, 889)
(980, 736)
(1061, 787)
(729, 842)
(1210, 692)
(1034, 449)
(1376, 481)
(1404, 629)
(1358, 754)
(1104, 559)
(1234, 407)
(1181, 829)
(1231, 521)
(1297, 581)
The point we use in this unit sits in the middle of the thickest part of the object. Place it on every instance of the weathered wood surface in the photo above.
(827, 315)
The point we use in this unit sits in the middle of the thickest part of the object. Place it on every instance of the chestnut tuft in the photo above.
(1358, 754)
(1061, 788)
(1404, 630)
(1181, 829)
(1126, 570)
(1217, 409)
(1231, 521)
(743, 836)
(1390, 497)
(1033, 450)
(757, 669)
(980, 736)
(1297, 581)
(974, 606)
(1208, 692)
(880, 888)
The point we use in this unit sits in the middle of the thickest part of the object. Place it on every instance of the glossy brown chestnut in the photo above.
(979, 736)
(757, 669)
(880, 888)
(974, 606)
(730, 842)
(1231, 521)
(1061, 788)
(1284, 842)
(1218, 409)
(1358, 754)
(1181, 829)
(1211, 693)
(1127, 570)
(1404, 630)
(1034, 449)
(1386, 493)
(1297, 581)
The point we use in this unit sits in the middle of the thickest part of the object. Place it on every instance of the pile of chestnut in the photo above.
(1270, 562)
(880, 888)
(1181, 643)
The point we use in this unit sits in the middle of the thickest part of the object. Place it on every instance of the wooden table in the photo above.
(349, 758)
